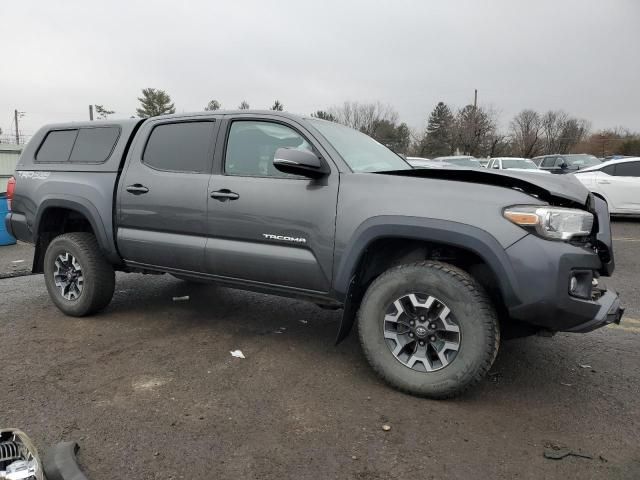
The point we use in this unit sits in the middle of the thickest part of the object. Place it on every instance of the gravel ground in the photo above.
(149, 390)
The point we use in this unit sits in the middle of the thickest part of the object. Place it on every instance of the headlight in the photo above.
(555, 223)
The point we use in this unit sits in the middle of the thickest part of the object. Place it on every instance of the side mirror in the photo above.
(299, 162)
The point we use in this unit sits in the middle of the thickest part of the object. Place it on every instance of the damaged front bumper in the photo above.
(610, 312)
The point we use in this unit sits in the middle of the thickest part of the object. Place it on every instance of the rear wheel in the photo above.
(79, 279)
(428, 329)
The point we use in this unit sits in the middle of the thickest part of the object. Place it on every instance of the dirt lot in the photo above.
(149, 390)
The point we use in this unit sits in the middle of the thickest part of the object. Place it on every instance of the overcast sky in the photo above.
(581, 56)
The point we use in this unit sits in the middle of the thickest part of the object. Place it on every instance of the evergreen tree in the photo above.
(277, 106)
(154, 102)
(324, 115)
(438, 139)
(212, 106)
(103, 113)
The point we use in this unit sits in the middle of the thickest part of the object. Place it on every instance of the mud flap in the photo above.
(350, 310)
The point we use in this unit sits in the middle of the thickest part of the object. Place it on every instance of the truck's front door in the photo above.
(265, 226)
(162, 195)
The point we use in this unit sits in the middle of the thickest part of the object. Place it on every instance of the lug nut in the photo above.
(412, 322)
(422, 318)
(421, 343)
(411, 335)
(432, 338)
(432, 326)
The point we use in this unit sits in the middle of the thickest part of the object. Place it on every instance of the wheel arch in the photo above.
(67, 213)
(417, 238)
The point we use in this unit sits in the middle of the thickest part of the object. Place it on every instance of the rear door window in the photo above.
(180, 147)
(56, 147)
(94, 145)
(548, 162)
(627, 169)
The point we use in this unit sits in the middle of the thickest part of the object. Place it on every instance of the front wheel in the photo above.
(428, 329)
(79, 279)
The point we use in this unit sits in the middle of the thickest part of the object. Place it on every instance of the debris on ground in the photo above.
(566, 384)
(237, 354)
(304, 321)
(181, 299)
(386, 428)
(17, 261)
(554, 451)
(280, 330)
(584, 366)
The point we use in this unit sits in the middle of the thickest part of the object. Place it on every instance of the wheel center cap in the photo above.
(421, 331)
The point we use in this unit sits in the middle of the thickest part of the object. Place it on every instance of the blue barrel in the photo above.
(5, 238)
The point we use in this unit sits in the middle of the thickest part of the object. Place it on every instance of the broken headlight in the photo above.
(553, 223)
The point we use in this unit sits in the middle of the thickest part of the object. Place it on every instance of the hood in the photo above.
(559, 189)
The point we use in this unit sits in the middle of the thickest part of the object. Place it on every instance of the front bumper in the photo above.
(610, 312)
(542, 271)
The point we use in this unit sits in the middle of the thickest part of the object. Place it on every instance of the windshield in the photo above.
(361, 152)
(581, 160)
(519, 163)
(465, 162)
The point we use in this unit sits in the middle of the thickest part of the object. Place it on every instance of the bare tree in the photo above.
(474, 129)
(363, 116)
(552, 124)
(574, 131)
(244, 105)
(526, 127)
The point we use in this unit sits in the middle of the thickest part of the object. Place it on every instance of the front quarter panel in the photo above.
(439, 210)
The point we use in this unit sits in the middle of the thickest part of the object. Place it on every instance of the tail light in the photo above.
(11, 188)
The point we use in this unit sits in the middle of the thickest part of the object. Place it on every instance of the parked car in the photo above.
(419, 162)
(514, 163)
(435, 265)
(460, 161)
(617, 182)
(566, 163)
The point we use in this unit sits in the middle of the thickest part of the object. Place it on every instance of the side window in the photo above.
(548, 162)
(627, 169)
(251, 146)
(56, 146)
(609, 169)
(180, 147)
(94, 145)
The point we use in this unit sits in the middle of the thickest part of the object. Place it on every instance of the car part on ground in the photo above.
(19, 458)
(60, 463)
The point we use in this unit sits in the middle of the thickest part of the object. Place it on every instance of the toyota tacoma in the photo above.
(434, 266)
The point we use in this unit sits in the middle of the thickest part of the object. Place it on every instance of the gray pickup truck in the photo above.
(435, 266)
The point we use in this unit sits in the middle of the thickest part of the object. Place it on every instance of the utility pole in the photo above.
(91, 112)
(475, 99)
(15, 120)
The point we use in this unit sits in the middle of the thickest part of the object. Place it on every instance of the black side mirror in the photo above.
(299, 162)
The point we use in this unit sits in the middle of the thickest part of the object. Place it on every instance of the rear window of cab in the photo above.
(78, 145)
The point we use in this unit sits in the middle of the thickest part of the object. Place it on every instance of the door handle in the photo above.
(224, 194)
(137, 189)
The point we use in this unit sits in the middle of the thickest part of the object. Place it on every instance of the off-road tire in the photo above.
(99, 277)
(468, 302)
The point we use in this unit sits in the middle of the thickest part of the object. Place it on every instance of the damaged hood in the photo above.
(563, 188)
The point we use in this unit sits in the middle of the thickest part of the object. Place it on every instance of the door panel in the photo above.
(280, 228)
(162, 213)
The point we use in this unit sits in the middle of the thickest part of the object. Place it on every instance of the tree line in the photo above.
(470, 130)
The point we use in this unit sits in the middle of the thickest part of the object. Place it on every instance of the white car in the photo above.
(617, 181)
(420, 162)
(514, 163)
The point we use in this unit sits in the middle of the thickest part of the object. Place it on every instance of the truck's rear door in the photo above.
(162, 195)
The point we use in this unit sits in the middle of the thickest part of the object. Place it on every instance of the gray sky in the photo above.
(581, 56)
